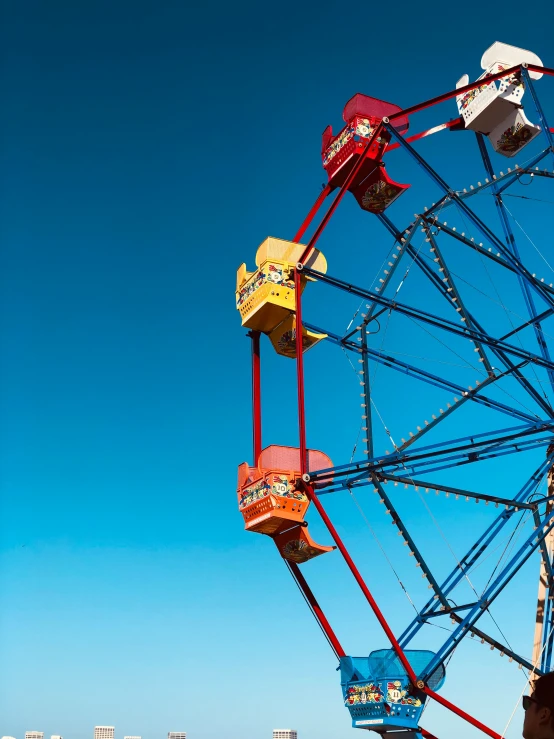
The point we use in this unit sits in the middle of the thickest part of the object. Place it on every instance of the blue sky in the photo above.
(147, 149)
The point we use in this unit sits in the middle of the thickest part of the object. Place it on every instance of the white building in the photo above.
(104, 732)
(34, 735)
(132, 737)
(285, 734)
(176, 735)
(56, 736)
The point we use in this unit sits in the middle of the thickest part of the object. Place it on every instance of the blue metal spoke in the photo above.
(512, 245)
(456, 296)
(491, 592)
(470, 319)
(466, 449)
(414, 551)
(483, 228)
(429, 318)
(503, 182)
(473, 555)
(460, 492)
(424, 376)
(544, 123)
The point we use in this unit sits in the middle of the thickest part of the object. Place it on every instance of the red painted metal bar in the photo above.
(297, 284)
(256, 396)
(359, 579)
(344, 187)
(428, 132)
(458, 711)
(300, 375)
(315, 207)
(543, 70)
(460, 91)
(384, 624)
(310, 597)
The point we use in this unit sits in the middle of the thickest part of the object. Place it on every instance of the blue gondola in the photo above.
(378, 692)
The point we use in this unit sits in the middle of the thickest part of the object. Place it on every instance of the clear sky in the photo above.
(147, 148)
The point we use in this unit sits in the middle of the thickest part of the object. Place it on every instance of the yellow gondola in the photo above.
(266, 298)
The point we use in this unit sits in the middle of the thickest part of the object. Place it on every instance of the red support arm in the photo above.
(316, 608)
(256, 396)
(309, 218)
(300, 375)
(384, 624)
(428, 132)
(344, 187)
(462, 714)
(363, 587)
(454, 93)
(467, 88)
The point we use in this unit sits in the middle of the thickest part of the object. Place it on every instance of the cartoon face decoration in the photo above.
(395, 692)
(275, 274)
(280, 486)
(363, 127)
(363, 697)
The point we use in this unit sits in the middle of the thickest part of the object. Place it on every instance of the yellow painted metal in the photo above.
(266, 297)
(283, 338)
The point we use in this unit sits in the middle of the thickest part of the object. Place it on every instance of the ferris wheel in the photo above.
(507, 414)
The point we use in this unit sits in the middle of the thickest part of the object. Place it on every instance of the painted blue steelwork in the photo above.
(503, 181)
(423, 375)
(512, 245)
(367, 395)
(411, 459)
(460, 492)
(432, 320)
(482, 227)
(448, 289)
(544, 123)
(492, 592)
(532, 163)
(397, 521)
(474, 553)
(359, 478)
(403, 244)
(464, 450)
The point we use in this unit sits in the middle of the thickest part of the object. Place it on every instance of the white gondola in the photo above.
(495, 108)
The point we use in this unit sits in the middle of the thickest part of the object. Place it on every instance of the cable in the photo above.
(311, 609)
(524, 197)
(359, 507)
(529, 238)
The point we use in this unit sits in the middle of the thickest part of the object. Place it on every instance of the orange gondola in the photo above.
(271, 504)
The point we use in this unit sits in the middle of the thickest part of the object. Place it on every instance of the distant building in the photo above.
(132, 737)
(285, 734)
(8, 737)
(176, 735)
(34, 735)
(104, 732)
(56, 736)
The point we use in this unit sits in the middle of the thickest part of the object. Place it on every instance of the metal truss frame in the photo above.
(410, 460)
